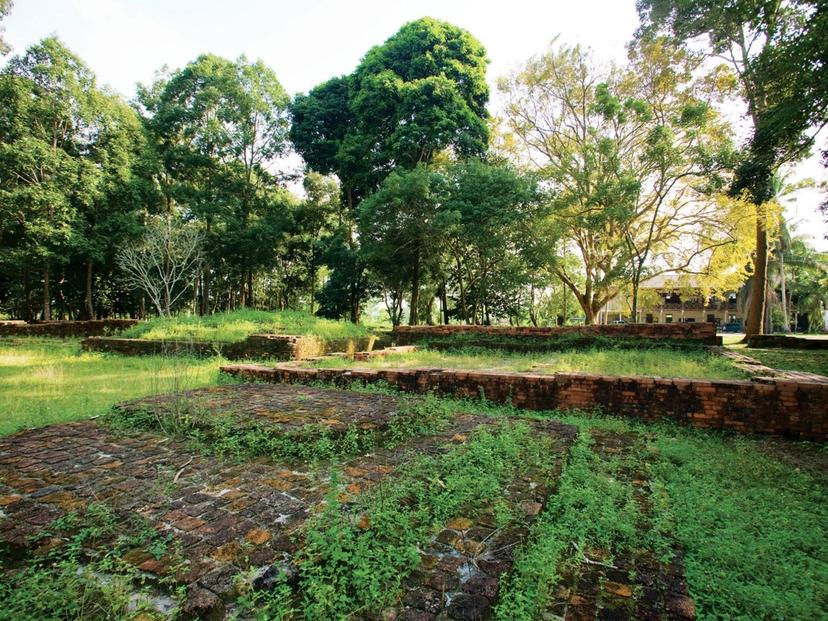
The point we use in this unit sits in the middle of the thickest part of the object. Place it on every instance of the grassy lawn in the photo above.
(237, 325)
(652, 362)
(45, 381)
(810, 360)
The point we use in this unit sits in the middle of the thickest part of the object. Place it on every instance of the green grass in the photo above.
(234, 326)
(753, 527)
(810, 360)
(661, 363)
(45, 381)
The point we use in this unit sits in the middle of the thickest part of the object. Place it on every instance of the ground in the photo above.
(262, 501)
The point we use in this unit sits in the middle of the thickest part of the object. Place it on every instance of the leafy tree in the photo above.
(778, 52)
(219, 126)
(421, 92)
(631, 157)
(402, 226)
(48, 106)
(491, 247)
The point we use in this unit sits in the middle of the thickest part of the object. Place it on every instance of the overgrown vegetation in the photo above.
(225, 435)
(650, 362)
(234, 326)
(356, 560)
(85, 570)
(45, 381)
(752, 526)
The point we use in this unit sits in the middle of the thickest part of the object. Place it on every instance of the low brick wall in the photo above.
(787, 342)
(65, 329)
(704, 333)
(275, 346)
(791, 409)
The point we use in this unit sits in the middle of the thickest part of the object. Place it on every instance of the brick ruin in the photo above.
(236, 519)
(793, 409)
(274, 346)
(701, 333)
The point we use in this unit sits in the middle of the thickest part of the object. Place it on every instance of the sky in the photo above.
(308, 41)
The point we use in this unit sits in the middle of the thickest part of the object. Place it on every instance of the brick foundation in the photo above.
(704, 333)
(65, 329)
(791, 409)
(275, 346)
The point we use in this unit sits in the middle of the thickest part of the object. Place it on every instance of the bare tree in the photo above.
(164, 262)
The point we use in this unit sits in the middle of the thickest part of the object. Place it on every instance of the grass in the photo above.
(45, 381)
(234, 326)
(810, 360)
(753, 527)
(660, 363)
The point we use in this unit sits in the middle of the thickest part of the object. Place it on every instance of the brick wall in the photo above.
(695, 332)
(66, 329)
(275, 346)
(791, 409)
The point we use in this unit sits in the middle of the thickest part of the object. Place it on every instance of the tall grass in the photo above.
(651, 362)
(236, 325)
(45, 381)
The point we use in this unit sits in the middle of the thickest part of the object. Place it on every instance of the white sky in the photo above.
(308, 41)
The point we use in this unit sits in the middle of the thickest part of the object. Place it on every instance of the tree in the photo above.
(778, 51)
(47, 130)
(490, 248)
(219, 127)
(164, 262)
(402, 226)
(630, 156)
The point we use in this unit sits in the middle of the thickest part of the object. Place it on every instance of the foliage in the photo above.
(631, 156)
(85, 577)
(66, 155)
(217, 127)
(46, 381)
(752, 527)
(590, 487)
(777, 51)
(5, 9)
(349, 565)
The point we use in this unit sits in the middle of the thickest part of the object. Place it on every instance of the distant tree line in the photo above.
(592, 179)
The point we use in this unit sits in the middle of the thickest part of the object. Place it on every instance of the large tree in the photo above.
(779, 52)
(629, 155)
(51, 118)
(219, 127)
(421, 92)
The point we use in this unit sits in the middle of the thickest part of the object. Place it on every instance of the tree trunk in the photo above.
(47, 294)
(756, 311)
(205, 293)
(635, 286)
(413, 315)
(27, 299)
(250, 288)
(786, 323)
(89, 308)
